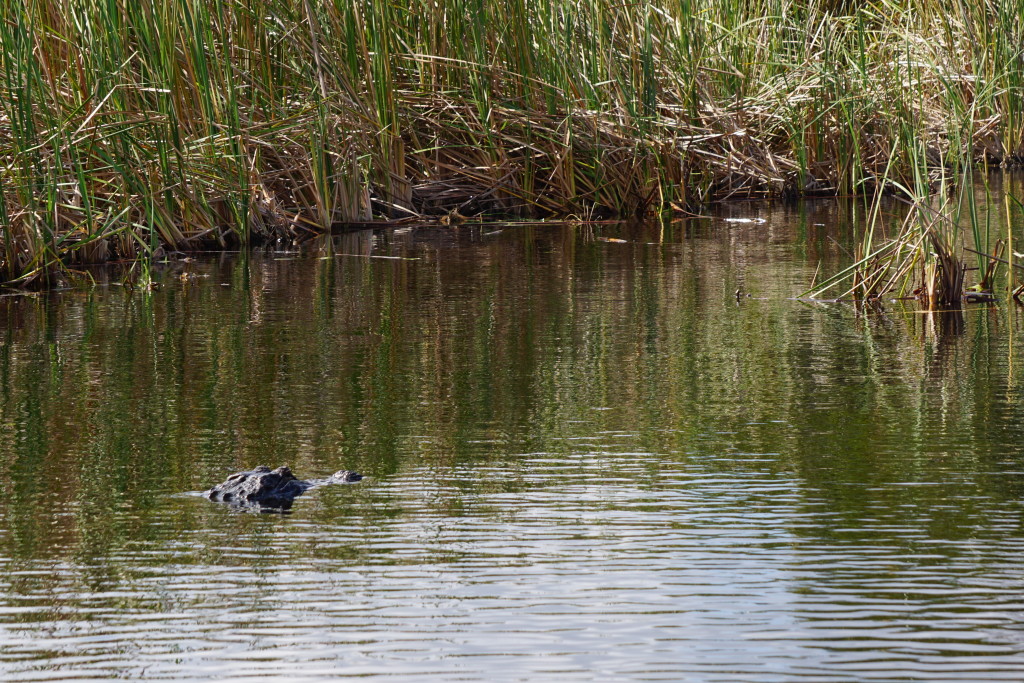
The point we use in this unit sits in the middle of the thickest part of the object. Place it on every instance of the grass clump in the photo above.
(127, 129)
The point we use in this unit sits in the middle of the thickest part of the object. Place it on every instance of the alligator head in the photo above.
(266, 489)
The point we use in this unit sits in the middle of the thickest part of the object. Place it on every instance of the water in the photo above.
(585, 460)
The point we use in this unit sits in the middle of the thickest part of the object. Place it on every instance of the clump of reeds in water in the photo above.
(129, 129)
(927, 257)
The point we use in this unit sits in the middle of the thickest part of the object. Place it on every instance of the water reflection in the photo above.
(586, 459)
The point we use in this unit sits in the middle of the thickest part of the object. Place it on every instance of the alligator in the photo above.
(266, 489)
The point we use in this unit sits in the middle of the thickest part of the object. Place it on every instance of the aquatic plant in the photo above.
(926, 258)
(134, 129)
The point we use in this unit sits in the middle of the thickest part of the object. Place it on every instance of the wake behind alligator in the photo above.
(270, 490)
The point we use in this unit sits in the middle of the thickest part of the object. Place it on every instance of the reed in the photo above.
(130, 129)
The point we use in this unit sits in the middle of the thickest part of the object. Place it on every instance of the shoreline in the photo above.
(130, 131)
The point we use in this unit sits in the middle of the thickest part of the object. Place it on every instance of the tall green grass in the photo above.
(127, 128)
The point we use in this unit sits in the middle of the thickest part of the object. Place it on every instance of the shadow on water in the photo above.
(585, 455)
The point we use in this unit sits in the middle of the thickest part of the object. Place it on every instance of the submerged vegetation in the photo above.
(128, 129)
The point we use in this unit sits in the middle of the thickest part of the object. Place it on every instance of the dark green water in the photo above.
(585, 460)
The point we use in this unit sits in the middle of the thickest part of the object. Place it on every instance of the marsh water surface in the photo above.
(585, 460)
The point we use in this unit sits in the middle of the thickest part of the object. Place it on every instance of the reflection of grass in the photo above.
(126, 127)
(474, 364)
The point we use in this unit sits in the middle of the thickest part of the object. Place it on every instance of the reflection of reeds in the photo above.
(126, 126)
